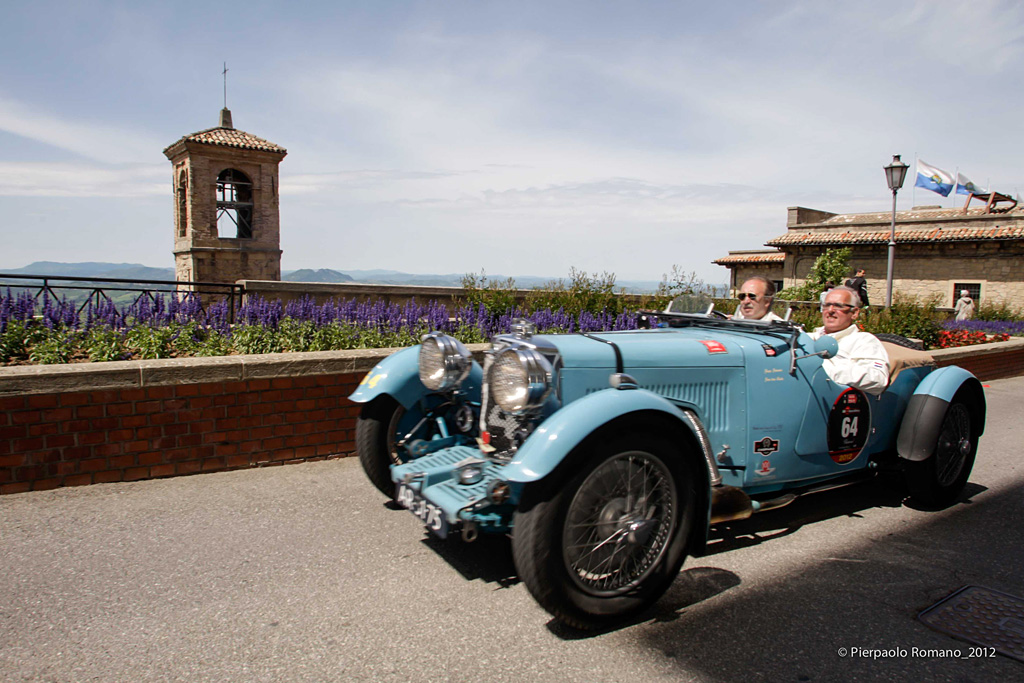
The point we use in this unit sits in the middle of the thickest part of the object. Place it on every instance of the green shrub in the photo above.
(496, 296)
(1000, 311)
(149, 342)
(14, 342)
(213, 344)
(907, 317)
(831, 266)
(51, 347)
(249, 339)
(583, 292)
(105, 344)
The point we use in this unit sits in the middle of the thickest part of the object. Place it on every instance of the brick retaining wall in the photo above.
(71, 425)
(81, 424)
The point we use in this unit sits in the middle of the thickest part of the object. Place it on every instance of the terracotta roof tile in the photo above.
(737, 259)
(917, 215)
(231, 137)
(835, 237)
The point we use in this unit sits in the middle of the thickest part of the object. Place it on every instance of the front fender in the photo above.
(926, 409)
(398, 376)
(564, 430)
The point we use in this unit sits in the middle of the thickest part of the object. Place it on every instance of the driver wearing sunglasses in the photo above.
(755, 298)
(861, 361)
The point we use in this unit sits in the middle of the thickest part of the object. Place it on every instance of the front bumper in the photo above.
(435, 477)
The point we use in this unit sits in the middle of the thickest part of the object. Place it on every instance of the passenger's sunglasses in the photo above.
(744, 295)
(838, 307)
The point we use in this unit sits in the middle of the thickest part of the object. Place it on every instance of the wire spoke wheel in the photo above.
(392, 436)
(604, 536)
(940, 478)
(378, 430)
(619, 523)
(954, 445)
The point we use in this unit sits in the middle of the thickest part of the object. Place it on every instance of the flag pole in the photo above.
(913, 188)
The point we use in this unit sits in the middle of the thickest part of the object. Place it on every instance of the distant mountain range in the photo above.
(137, 272)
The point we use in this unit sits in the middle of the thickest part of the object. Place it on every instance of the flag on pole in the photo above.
(934, 179)
(965, 186)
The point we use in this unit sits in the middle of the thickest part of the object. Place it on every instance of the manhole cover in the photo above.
(981, 616)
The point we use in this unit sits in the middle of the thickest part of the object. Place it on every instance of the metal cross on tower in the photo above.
(225, 74)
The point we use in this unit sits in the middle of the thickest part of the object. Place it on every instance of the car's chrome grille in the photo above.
(502, 427)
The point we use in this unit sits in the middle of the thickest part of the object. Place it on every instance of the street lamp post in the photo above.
(894, 175)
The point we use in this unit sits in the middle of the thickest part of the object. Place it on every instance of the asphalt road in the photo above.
(302, 573)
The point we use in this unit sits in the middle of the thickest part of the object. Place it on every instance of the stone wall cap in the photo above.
(78, 377)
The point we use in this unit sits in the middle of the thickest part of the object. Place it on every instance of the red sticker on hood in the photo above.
(714, 346)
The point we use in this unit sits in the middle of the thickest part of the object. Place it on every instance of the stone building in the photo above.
(939, 251)
(226, 210)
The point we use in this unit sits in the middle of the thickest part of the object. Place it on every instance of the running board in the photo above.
(729, 503)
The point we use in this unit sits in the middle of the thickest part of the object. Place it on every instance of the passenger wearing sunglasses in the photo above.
(756, 297)
(861, 361)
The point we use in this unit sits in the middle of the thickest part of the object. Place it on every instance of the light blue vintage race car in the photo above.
(608, 456)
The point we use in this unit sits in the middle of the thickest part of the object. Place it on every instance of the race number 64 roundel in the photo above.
(849, 425)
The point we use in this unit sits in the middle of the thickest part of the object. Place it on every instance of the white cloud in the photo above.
(18, 179)
(97, 141)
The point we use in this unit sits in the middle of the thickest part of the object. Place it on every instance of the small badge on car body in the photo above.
(766, 446)
(714, 346)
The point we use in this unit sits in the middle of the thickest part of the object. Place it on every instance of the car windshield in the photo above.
(701, 304)
(690, 303)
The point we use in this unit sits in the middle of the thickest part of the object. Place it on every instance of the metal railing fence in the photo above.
(98, 288)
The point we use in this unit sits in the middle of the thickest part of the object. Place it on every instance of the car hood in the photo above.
(659, 348)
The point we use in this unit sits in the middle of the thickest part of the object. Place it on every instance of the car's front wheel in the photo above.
(605, 541)
(377, 431)
(939, 479)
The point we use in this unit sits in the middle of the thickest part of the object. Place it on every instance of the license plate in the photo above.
(431, 515)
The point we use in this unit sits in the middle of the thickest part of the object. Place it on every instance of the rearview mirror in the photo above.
(826, 346)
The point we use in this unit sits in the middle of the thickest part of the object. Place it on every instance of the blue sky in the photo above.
(514, 137)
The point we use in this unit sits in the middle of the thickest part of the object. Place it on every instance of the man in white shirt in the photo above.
(861, 361)
(756, 296)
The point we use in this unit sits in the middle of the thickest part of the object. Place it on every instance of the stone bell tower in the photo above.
(226, 212)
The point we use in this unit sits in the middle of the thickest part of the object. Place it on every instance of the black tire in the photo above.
(603, 538)
(899, 340)
(938, 480)
(376, 429)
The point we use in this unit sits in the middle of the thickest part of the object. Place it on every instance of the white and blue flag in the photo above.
(934, 179)
(965, 186)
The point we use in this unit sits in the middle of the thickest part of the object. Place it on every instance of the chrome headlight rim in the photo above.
(534, 383)
(444, 362)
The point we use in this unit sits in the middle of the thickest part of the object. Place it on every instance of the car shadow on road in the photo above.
(691, 587)
(488, 559)
(887, 490)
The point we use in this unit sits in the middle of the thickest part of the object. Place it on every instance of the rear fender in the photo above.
(398, 376)
(922, 420)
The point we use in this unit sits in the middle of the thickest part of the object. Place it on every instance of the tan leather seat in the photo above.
(900, 357)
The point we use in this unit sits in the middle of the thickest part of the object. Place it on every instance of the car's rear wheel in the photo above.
(939, 479)
(377, 430)
(604, 541)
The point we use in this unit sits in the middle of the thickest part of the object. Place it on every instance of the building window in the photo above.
(778, 285)
(182, 203)
(973, 290)
(234, 204)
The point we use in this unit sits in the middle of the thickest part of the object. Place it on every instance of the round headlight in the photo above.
(520, 379)
(444, 361)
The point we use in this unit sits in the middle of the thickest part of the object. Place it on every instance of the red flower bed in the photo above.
(949, 339)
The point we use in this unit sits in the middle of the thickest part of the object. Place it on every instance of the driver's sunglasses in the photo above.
(744, 295)
(838, 307)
